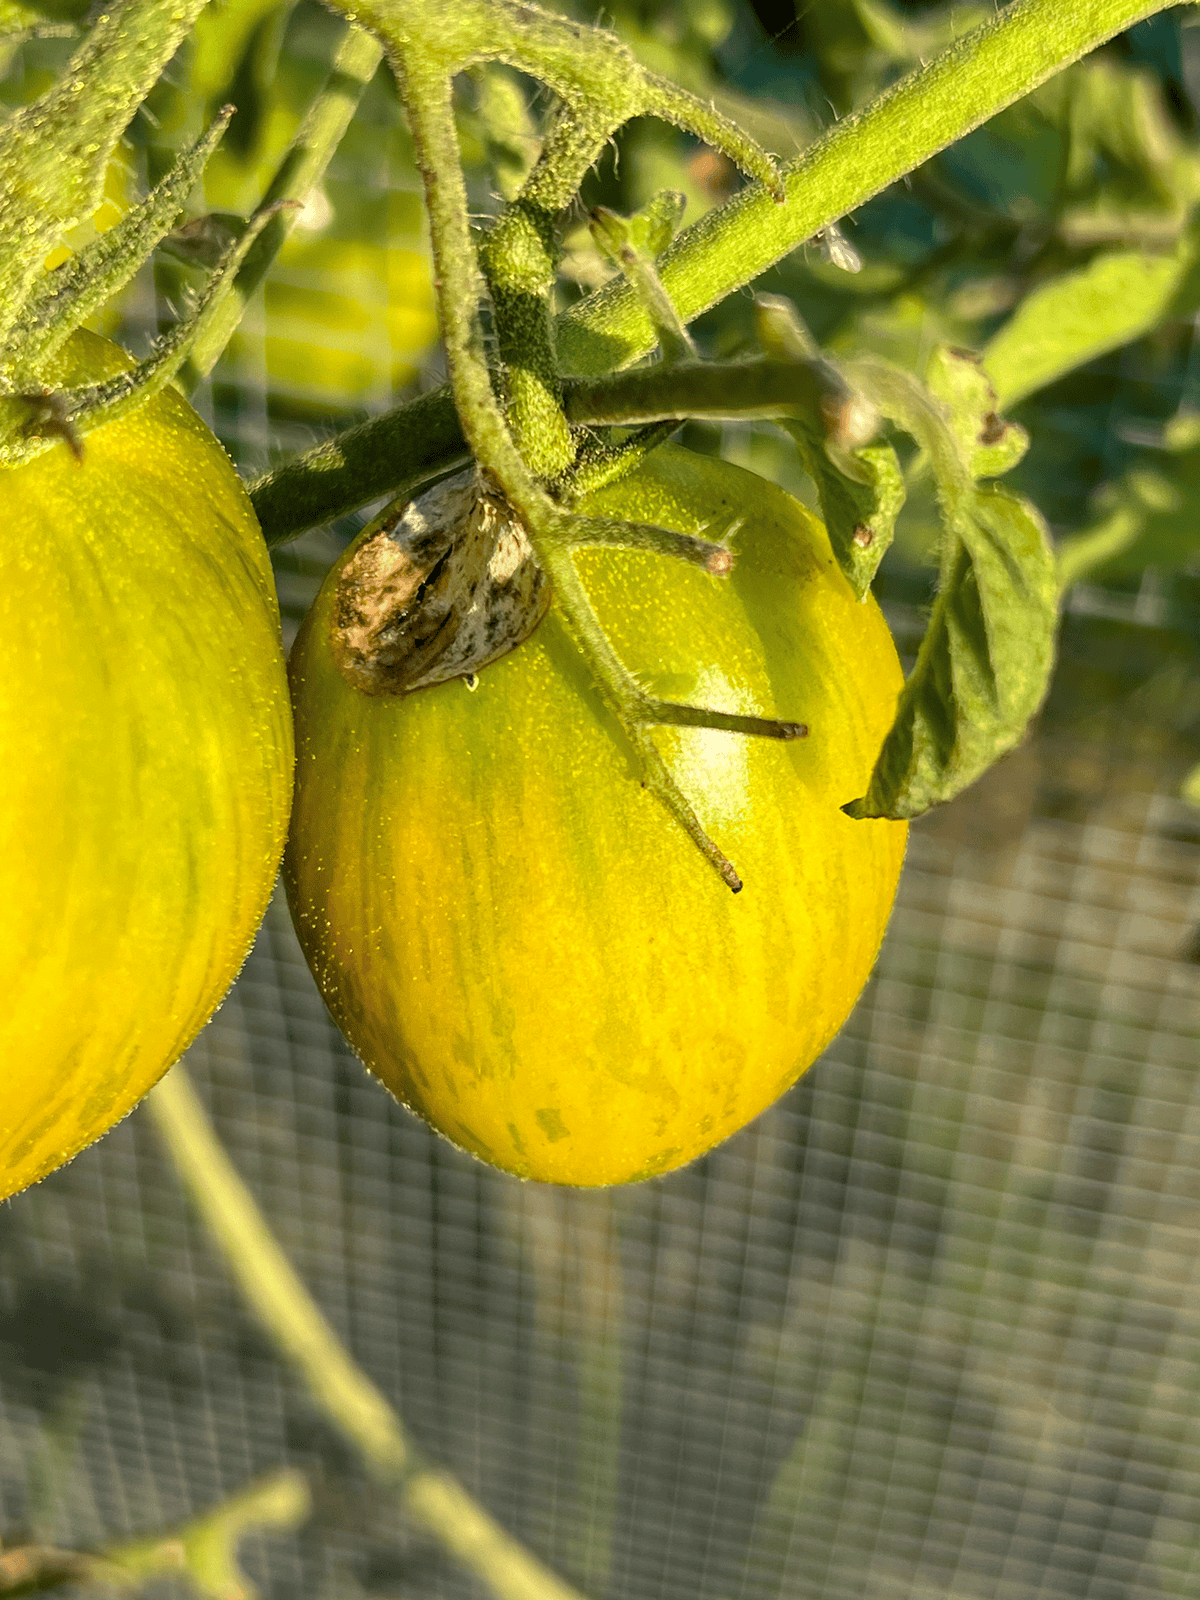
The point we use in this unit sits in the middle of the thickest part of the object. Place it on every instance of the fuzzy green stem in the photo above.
(601, 86)
(977, 76)
(672, 714)
(520, 255)
(813, 390)
(426, 94)
(75, 412)
(520, 261)
(301, 168)
(389, 455)
(61, 301)
(283, 1305)
(54, 152)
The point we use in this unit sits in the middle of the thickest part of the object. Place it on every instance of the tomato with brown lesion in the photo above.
(509, 928)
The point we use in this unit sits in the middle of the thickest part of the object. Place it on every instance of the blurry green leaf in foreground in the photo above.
(349, 315)
(983, 666)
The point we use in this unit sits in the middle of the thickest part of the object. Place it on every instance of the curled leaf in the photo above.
(984, 664)
(990, 445)
(860, 491)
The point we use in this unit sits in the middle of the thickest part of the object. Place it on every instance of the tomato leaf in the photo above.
(860, 491)
(990, 446)
(1080, 315)
(984, 664)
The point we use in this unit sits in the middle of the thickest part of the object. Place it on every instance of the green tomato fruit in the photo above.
(517, 938)
(145, 763)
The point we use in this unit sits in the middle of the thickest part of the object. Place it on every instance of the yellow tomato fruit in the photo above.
(516, 937)
(145, 763)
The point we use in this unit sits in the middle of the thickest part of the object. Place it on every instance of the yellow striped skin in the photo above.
(518, 940)
(145, 763)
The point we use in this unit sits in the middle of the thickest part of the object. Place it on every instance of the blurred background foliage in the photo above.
(928, 1330)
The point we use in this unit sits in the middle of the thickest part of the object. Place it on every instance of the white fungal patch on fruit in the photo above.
(437, 591)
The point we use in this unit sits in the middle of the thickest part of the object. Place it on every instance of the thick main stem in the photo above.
(276, 1294)
(934, 105)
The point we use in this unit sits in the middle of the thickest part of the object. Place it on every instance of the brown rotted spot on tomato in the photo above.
(436, 591)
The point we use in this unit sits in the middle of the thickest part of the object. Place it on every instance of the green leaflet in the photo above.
(990, 446)
(54, 151)
(860, 491)
(75, 412)
(1074, 318)
(61, 301)
(984, 663)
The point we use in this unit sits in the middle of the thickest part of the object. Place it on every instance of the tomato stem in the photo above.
(520, 254)
(520, 258)
(988, 68)
(815, 390)
(54, 152)
(278, 1297)
(985, 70)
(424, 54)
(61, 301)
(100, 403)
(681, 716)
(609, 532)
